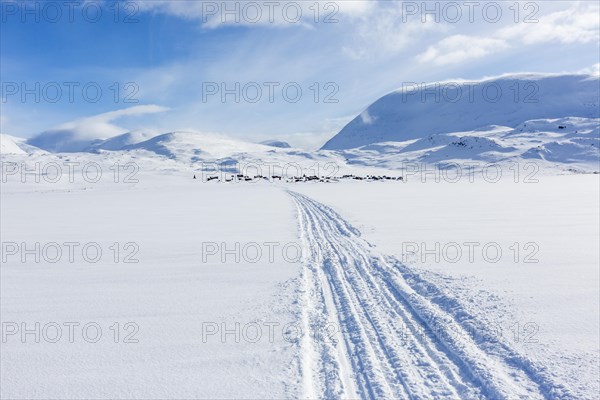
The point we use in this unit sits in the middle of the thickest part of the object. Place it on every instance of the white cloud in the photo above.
(578, 24)
(101, 126)
(287, 13)
(460, 48)
(593, 70)
(382, 32)
(79, 134)
(356, 8)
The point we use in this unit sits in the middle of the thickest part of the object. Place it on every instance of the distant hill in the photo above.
(419, 111)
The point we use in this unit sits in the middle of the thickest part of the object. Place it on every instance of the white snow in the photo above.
(120, 141)
(546, 310)
(171, 294)
(9, 145)
(16, 145)
(195, 146)
(558, 143)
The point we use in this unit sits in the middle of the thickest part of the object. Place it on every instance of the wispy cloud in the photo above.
(460, 48)
(384, 32)
(102, 126)
(279, 14)
(593, 70)
(578, 24)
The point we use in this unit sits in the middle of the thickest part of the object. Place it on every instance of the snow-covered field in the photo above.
(359, 314)
(159, 284)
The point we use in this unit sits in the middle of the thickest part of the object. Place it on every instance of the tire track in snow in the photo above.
(399, 336)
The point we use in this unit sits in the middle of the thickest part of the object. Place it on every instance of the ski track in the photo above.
(385, 332)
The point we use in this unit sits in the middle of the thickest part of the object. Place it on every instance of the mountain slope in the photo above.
(422, 110)
(120, 141)
(9, 145)
(62, 141)
(15, 145)
(562, 144)
(195, 146)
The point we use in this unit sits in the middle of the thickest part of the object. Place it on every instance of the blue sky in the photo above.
(168, 53)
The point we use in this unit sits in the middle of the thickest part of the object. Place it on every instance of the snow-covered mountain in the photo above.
(418, 111)
(183, 149)
(120, 141)
(556, 122)
(563, 143)
(15, 145)
(194, 146)
(9, 145)
(63, 141)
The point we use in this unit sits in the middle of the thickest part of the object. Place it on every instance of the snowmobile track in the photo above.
(392, 334)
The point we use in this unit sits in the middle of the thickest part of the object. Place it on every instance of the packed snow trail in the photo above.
(385, 332)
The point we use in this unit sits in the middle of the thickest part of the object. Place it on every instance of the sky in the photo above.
(290, 70)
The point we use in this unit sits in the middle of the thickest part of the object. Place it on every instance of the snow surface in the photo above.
(399, 327)
(557, 296)
(169, 294)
